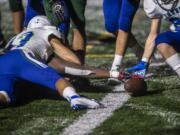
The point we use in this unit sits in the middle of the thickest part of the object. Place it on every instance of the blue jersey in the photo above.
(119, 14)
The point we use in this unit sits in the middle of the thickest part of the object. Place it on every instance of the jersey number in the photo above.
(22, 40)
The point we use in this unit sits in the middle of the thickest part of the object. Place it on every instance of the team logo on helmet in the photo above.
(164, 4)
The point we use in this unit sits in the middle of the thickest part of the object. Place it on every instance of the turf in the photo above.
(158, 112)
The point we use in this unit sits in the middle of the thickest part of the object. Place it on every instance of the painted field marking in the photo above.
(93, 118)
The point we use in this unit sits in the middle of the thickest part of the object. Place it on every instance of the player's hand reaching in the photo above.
(123, 76)
(139, 69)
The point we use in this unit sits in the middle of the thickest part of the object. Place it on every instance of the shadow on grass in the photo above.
(155, 88)
(26, 92)
(84, 85)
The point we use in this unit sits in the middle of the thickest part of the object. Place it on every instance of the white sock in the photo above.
(174, 63)
(69, 92)
(117, 62)
(114, 74)
(145, 59)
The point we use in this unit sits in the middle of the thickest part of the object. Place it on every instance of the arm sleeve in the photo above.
(151, 10)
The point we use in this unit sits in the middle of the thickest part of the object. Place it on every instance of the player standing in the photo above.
(118, 16)
(168, 43)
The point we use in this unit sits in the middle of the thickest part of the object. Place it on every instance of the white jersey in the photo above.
(35, 42)
(157, 9)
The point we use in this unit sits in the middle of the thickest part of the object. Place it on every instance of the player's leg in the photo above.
(118, 19)
(2, 40)
(77, 11)
(127, 12)
(17, 11)
(37, 72)
(3, 100)
(168, 45)
(6, 82)
(111, 12)
(6, 91)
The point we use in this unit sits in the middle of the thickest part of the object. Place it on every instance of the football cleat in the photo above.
(139, 69)
(78, 103)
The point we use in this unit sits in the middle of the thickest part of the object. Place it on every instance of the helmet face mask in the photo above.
(164, 3)
(38, 22)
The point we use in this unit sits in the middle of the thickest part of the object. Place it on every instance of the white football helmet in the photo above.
(38, 22)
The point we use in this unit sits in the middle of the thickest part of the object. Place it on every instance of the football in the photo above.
(136, 86)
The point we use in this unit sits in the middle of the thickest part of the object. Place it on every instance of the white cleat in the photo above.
(78, 103)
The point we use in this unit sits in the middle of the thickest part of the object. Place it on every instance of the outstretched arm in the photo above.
(77, 70)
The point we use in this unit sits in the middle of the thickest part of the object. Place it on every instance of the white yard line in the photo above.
(93, 118)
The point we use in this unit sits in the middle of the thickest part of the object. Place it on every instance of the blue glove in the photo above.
(139, 69)
(140, 66)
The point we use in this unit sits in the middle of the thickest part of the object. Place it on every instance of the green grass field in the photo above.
(45, 113)
(158, 112)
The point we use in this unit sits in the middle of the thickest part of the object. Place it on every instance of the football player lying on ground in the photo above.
(27, 56)
(29, 52)
(168, 43)
(118, 16)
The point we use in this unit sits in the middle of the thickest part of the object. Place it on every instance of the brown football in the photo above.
(136, 86)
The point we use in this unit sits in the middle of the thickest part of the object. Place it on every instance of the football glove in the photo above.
(139, 69)
(78, 103)
(123, 76)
